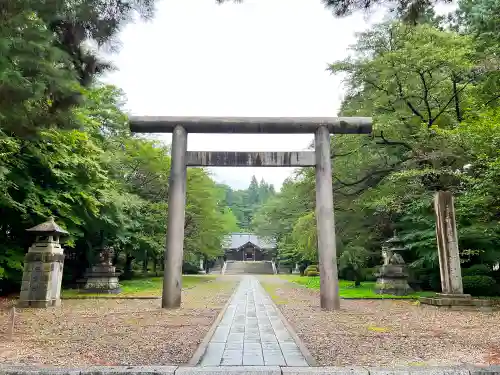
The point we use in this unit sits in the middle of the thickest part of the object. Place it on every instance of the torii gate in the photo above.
(322, 127)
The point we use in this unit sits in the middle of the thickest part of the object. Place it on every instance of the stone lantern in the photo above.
(43, 267)
(393, 274)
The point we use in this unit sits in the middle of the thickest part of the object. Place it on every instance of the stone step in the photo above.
(254, 268)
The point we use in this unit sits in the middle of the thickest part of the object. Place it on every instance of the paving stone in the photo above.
(235, 337)
(295, 361)
(274, 358)
(289, 347)
(253, 360)
(269, 339)
(270, 346)
(237, 329)
(252, 347)
(234, 345)
(485, 370)
(213, 354)
(232, 357)
(220, 334)
(325, 371)
(230, 370)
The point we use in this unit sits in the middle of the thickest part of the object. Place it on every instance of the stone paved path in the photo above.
(251, 333)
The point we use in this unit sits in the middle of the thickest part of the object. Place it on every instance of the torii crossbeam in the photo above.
(322, 127)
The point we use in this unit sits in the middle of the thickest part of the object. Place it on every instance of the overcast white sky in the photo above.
(258, 58)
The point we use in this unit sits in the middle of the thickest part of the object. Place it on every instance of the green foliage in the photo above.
(143, 287)
(432, 93)
(312, 267)
(480, 285)
(66, 149)
(477, 270)
(311, 273)
(244, 203)
(348, 289)
(369, 274)
(311, 270)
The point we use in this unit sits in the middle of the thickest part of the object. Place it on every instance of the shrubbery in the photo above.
(190, 269)
(312, 273)
(477, 270)
(368, 274)
(480, 285)
(311, 270)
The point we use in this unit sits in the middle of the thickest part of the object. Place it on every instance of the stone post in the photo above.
(43, 267)
(172, 276)
(447, 242)
(329, 288)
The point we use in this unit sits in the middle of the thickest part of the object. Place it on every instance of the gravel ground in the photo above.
(113, 332)
(387, 333)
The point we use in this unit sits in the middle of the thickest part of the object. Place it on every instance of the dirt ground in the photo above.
(113, 332)
(387, 332)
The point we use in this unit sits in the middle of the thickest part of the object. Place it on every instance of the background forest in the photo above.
(432, 86)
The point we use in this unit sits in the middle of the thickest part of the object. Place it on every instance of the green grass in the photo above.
(348, 290)
(147, 287)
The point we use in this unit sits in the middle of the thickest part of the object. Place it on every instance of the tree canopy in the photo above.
(66, 149)
(432, 91)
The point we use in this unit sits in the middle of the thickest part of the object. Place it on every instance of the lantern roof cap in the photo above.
(395, 243)
(49, 226)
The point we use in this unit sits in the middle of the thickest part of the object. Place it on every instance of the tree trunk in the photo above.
(127, 274)
(145, 263)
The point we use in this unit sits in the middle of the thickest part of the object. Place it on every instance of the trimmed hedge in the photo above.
(477, 270)
(480, 285)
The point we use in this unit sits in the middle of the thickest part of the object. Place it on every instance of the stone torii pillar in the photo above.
(325, 222)
(174, 252)
(322, 127)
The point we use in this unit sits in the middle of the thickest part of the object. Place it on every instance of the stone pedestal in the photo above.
(43, 268)
(459, 302)
(393, 279)
(102, 278)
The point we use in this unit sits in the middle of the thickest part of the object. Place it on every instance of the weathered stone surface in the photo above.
(42, 273)
(102, 279)
(251, 125)
(420, 371)
(447, 241)
(129, 370)
(229, 370)
(172, 278)
(460, 302)
(44, 257)
(324, 370)
(490, 370)
(325, 223)
(250, 159)
(394, 286)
